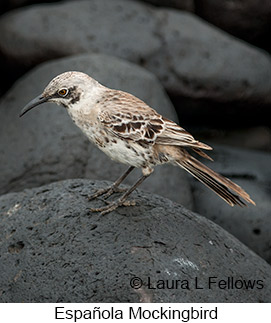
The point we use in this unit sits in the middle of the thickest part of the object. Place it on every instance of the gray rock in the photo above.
(53, 249)
(244, 18)
(190, 57)
(251, 170)
(209, 63)
(45, 145)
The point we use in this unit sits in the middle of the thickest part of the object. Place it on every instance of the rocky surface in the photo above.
(53, 249)
(189, 56)
(247, 19)
(251, 170)
(46, 146)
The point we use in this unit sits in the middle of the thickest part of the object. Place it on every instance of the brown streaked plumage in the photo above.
(130, 132)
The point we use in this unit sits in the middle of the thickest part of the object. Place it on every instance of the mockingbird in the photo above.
(130, 132)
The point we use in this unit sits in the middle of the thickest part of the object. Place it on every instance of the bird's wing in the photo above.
(178, 136)
(128, 117)
(134, 126)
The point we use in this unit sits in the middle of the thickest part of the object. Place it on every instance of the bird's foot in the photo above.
(106, 192)
(113, 206)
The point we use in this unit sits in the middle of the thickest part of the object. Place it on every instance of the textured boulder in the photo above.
(251, 170)
(45, 145)
(53, 249)
(247, 19)
(190, 57)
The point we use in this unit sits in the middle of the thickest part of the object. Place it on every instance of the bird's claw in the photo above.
(114, 190)
(112, 206)
(106, 192)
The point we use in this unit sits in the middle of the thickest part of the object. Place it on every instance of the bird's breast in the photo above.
(123, 151)
(118, 149)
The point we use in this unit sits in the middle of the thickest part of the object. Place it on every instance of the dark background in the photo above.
(243, 123)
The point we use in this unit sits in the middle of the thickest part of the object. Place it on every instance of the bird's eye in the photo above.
(63, 92)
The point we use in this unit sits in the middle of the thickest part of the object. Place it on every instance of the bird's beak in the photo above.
(32, 104)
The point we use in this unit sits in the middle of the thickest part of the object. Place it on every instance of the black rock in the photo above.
(245, 19)
(53, 249)
(251, 170)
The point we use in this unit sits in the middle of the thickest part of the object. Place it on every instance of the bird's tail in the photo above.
(222, 186)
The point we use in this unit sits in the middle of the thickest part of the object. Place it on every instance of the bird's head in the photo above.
(66, 89)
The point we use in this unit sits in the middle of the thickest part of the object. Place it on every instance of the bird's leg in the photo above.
(120, 201)
(112, 188)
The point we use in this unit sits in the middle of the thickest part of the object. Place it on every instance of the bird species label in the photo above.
(138, 312)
